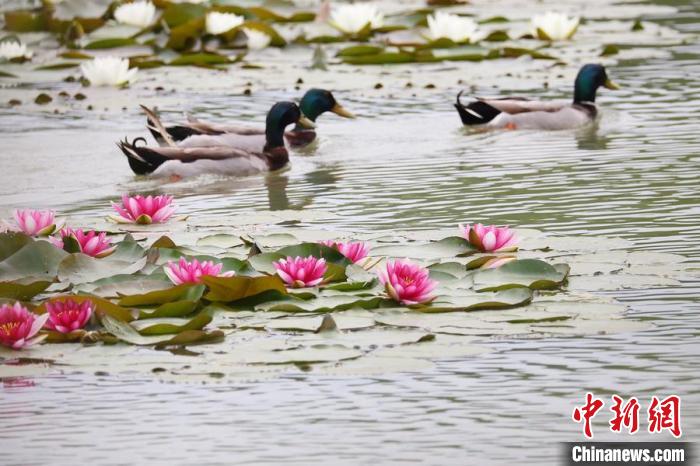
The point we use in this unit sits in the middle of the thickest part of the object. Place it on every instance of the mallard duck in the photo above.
(314, 103)
(520, 113)
(227, 154)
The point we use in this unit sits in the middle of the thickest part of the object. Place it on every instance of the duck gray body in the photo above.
(522, 113)
(225, 154)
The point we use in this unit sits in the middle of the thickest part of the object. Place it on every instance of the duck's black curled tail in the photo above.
(142, 159)
(476, 113)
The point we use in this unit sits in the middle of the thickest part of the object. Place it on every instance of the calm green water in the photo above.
(405, 164)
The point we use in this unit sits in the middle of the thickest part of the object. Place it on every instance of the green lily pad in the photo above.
(448, 247)
(163, 326)
(128, 334)
(505, 299)
(20, 291)
(80, 268)
(530, 273)
(169, 295)
(230, 289)
(38, 259)
(322, 304)
(11, 242)
(111, 43)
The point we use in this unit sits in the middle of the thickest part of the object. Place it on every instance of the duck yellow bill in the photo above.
(306, 123)
(340, 111)
(609, 84)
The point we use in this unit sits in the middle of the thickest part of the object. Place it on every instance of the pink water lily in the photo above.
(407, 283)
(36, 222)
(18, 326)
(90, 243)
(144, 210)
(66, 316)
(490, 238)
(301, 272)
(182, 272)
(355, 251)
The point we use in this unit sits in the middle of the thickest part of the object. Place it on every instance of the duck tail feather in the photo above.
(156, 128)
(142, 159)
(475, 113)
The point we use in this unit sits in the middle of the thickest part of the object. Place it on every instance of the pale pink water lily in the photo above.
(407, 283)
(90, 243)
(355, 251)
(301, 272)
(182, 272)
(144, 210)
(490, 238)
(18, 326)
(36, 222)
(496, 262)
(66, 316)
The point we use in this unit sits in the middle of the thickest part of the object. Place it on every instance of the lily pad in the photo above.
(530, 273)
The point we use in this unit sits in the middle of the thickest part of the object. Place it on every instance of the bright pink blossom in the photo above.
(490, 238)
(18, 326)
(182, 272)
(90, 243)
(355, 251)
(68, 315)
(144, 210)
(36, 222)
(407, 283)
(301, 272)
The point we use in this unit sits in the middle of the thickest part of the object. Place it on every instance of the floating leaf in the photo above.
(25, 21)
(359, 51)
(128, 334)
(531, 273)
(177, 293)
(200, 59)
(22, 292)
(480, 301)
(39, 259)
(230, 289)
(11, 242)
(80, 268)
(170, 326)
(448, 247)
(382, 58)
(322, 304)
(177, 14)
(111, 43)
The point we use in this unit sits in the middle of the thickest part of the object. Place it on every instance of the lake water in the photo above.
(405, 164)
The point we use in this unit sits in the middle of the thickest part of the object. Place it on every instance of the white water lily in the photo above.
(141, 13)
(453, 27)
(218, 23)
(108, 71)
(554, 26)
(10, 49)
(256, 39)
(352, 18)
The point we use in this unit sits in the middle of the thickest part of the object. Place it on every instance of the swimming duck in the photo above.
(226, 154)
(520, 113)
(314, 103)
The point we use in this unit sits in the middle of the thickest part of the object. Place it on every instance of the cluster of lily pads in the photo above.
(66, 284)
(205, 34)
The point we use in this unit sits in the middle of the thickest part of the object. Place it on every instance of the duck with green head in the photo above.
(313, 104)
(522, 113)
(224, 154)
